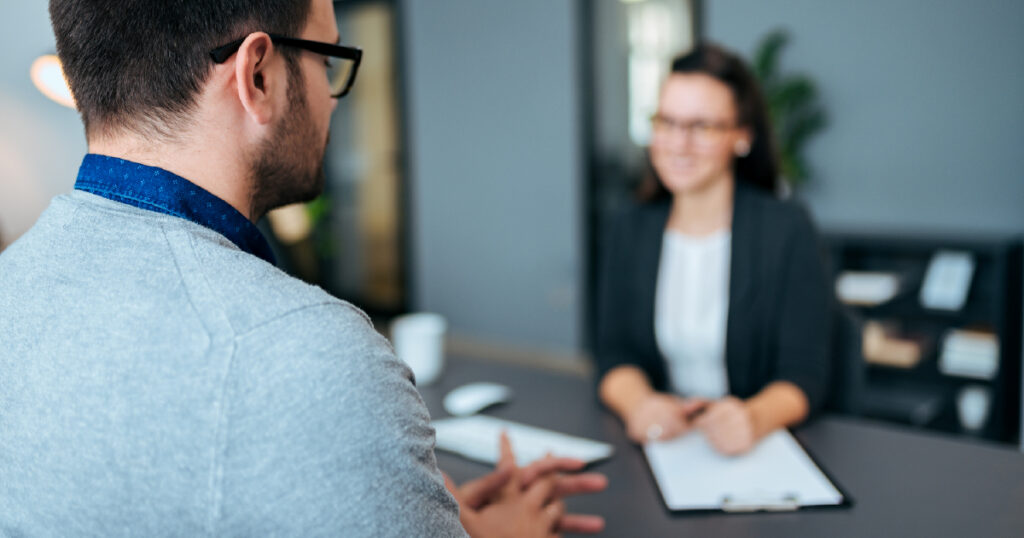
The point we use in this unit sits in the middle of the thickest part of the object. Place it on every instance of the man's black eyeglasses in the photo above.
(342, 64)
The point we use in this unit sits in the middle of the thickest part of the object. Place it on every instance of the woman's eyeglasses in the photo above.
(702, 132)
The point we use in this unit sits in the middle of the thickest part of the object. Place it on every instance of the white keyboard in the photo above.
(477, 438)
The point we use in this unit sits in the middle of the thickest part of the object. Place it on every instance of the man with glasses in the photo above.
(159, 376)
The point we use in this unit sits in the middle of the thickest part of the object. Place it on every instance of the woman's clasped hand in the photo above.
(727, 424)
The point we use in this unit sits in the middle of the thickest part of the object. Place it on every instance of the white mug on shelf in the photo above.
(972, 405)
(419, 341)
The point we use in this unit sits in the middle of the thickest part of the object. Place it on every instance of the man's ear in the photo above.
(257, 85)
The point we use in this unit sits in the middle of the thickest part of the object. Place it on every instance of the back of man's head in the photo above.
(139, 65)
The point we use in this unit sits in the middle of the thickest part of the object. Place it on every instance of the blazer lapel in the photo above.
(649, 251)
(743, 268)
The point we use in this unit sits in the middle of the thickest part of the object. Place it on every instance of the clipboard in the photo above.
(778, 475)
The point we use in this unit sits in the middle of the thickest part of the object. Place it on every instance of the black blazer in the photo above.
(779, 318)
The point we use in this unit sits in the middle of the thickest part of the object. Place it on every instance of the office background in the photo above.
(924, 101)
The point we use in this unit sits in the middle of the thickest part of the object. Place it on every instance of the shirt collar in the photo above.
(156, 189)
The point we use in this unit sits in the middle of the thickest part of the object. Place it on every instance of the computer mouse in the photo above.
(472, 398)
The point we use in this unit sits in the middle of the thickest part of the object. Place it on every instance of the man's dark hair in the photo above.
(140, 64)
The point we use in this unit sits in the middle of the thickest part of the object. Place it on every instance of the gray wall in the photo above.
(926, 102)
(41, 142)
(495, 168)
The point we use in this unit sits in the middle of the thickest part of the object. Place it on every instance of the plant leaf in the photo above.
(766, 57)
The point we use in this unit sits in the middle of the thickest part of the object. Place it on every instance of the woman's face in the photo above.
(695, 136)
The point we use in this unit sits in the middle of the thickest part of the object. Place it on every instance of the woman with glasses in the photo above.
(713, 304)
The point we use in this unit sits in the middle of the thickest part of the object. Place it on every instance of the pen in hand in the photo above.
(694, 409)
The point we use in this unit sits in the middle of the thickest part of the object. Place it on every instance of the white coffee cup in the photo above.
(972, 405)
(419, 341)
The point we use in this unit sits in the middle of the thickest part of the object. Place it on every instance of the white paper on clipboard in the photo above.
(776, 475)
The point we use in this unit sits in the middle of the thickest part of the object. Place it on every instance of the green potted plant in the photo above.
(792, 101)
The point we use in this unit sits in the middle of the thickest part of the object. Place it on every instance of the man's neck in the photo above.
(204, 164)
(704, 211)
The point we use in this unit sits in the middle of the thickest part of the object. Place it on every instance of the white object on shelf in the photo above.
(973, 354)
(866, 288)
(477, 438)
(947, 280)
(972, 405)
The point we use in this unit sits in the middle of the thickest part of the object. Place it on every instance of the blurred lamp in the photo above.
(291, 223)
(48, 76)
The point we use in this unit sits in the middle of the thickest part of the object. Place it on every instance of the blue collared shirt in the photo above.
(156, 189)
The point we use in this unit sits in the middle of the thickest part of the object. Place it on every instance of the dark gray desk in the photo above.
(905, 483)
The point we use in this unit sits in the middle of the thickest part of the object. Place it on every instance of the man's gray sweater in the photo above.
(155, 380)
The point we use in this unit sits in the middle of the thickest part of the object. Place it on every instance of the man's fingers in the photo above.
(477, 492)
(554, 511)
(507, 461)
(580, 483)
(540, 492)
(449, 484)
(580, 524)
(548, 465)
(505, 449)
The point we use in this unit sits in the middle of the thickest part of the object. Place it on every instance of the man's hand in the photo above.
(533, 512)
(565, 485)
(661, 416)
(513, 501)
(729, 426)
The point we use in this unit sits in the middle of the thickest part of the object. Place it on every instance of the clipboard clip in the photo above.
(760, 503)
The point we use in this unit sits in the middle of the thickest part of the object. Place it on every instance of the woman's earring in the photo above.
(741, 148)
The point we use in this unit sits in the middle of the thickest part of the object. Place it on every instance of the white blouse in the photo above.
(691, 310)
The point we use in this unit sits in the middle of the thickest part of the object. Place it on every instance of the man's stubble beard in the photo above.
(288, 167)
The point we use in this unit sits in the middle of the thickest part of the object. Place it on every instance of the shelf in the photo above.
(928, 374)
(908, 404)
(923, 395)
(929, 407)
(909, 309)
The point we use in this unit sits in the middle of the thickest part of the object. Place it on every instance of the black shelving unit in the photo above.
(923, 395)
